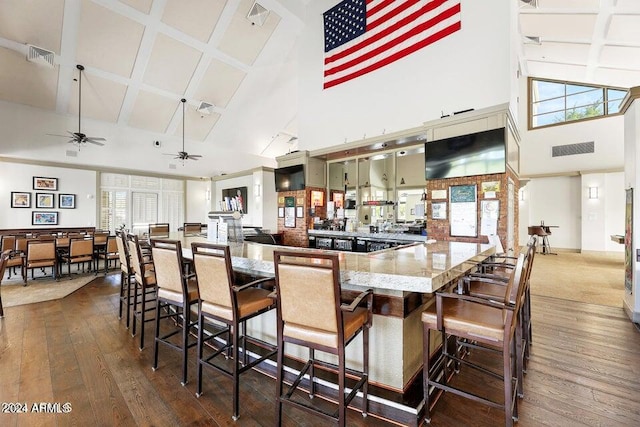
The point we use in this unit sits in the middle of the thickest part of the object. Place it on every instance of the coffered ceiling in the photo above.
(142, 56)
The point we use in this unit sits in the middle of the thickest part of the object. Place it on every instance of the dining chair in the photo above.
(191, 228)
(127, 276)
(159, 230)
(480, 324)
(108, 254)
(225, 300)
(40, 254)
(18, 251)
(80, 252)
(177, 294)
(144, 294)
(310, 313)
(4, 257)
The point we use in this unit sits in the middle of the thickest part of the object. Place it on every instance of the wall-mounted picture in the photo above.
(44, 218)
(43, 183)
(299, 211)
(20, 199)
(280, 212)
(45, 200)
(66, 201)
(439, 210)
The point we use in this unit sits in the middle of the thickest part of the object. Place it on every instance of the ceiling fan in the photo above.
(80, 138)
(183, 155)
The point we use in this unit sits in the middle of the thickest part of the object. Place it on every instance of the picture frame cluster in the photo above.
(43, 198)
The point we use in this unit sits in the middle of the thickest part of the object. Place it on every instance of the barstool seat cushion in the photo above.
(250, 300)
(465, 319)
(177, 297)
(353, 321)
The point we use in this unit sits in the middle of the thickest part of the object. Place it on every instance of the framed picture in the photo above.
(44, 218)
(66, 201)
(439, 210)
(45, 200)
(20, 199)
(299, 212)
(42, 183)
(280, 212)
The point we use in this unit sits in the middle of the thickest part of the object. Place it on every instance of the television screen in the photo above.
(476, 154)
(290, 178)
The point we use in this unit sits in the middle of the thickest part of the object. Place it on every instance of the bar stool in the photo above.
(224, 300)
(4, 257)
(542, 232)
(127, 276)
(484, 324)
(311, 314)
(145, 285)
(177, 293)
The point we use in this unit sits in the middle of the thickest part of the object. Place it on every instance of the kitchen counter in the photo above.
(400, 237)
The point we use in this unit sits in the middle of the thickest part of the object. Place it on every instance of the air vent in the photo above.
(172, 166)
(257, 14)
(531, 40)
(40, 56)
(72, 153)
(529, 3)
(572, 149)
(205, 108)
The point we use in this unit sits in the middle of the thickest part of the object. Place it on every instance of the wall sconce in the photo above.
(402, 181)
(424, 196)
(521, 191)
(256, 190)
(208, 195)
(593, 192)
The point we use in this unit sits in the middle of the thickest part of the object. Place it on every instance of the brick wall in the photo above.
(439, 229)
(298, 236)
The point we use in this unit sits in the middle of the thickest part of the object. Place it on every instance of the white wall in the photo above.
(19, 177)
(468, 69)
(603, 216)
(198, 206)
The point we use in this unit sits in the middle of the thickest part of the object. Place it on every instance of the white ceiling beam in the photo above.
(67, 57)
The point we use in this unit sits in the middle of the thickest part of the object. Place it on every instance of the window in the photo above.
(554, 102)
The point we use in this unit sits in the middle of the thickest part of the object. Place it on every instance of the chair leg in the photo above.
(156, 340)
(200, 353)
(236, 373)
(312, 373)
(365, 370)
(342, 409)
(135, 308)
(426, 335)
(279, 380)
(186, 321)
(122, 288)
(143, 315)
(508, 388)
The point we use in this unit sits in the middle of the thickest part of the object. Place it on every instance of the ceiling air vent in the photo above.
(40, 56)
(573, 149)
(205, 108)
(172, 165)
(529, 3)
(257, 14)
(531, 40)
(72, 153)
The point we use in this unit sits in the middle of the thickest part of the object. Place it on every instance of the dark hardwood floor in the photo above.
(584, 370)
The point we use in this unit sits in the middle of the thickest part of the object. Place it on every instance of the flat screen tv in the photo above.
(475, 154)
(290, 178)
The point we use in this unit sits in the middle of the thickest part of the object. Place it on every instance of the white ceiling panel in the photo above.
(557, 71)
(143, 6)
(196, 18)
(152, 112)
(618, 78)
(26, 83)
(219, 83)
(558, 52)
(197, 126)
(631, 5)
(101, 98)
(244, 41)
(171, 64)
(107, 40)
(44, 17)
(620, 57)
(558, 26)
(569, 4)
(624, 29)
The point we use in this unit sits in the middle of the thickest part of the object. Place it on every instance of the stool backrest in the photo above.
(214, 270)
(537, 230)
(167, 261)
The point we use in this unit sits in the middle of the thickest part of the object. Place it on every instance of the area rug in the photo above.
(41, 289)
(595, 278)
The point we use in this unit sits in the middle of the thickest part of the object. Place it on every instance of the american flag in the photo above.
(364, 35)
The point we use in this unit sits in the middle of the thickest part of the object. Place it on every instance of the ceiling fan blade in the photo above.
(96, 138)
(169, 154)
(53, 134)
(94, 141)
(194, 156)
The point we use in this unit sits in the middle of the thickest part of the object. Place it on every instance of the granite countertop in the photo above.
(403, 237)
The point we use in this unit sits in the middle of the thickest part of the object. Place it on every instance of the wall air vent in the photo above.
(572, 149)
(40, 56)
(257, 14)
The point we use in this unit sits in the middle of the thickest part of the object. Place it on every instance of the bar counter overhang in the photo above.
(403, 279)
